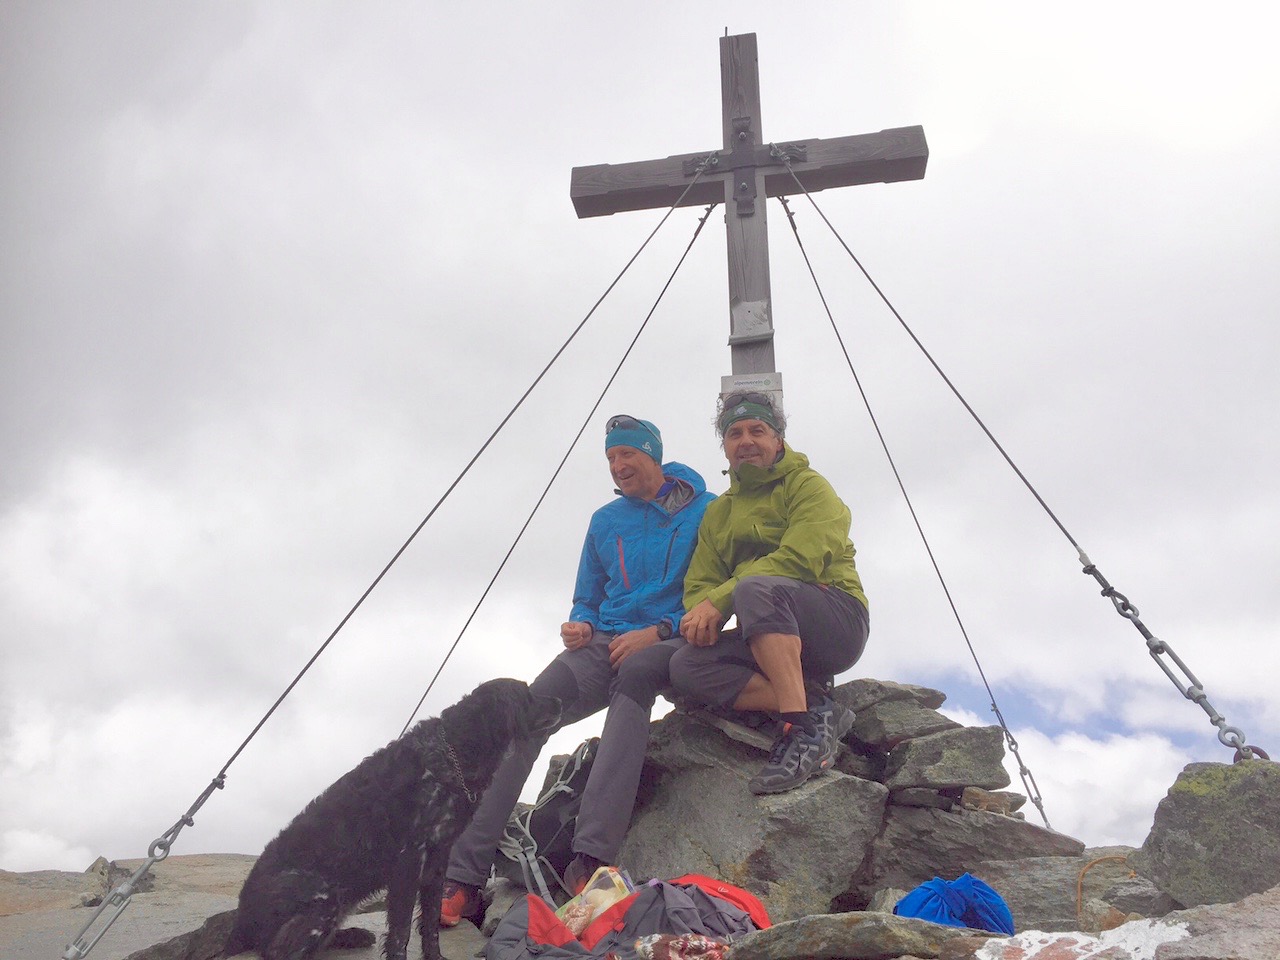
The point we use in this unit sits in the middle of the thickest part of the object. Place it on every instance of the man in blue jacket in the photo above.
(620, 635)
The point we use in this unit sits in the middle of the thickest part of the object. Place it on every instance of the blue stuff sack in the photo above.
(963, 902)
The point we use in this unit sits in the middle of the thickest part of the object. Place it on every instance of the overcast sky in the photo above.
(270, 273)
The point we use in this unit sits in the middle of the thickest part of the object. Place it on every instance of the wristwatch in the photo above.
(664, 630)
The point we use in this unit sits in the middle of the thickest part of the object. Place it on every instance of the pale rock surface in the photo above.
(865, 692)
(885, 725)
(918, 844)
(696, 816)
(1041, 891)
(958, 758)
(833, 936)
(1216, 835)
(1248, 930)
(182, 892)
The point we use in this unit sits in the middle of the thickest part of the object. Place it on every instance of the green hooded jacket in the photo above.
(784, 520)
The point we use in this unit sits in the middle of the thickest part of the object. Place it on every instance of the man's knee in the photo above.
(702, 679)
(779, 643)
(558, 681)
(751, 590)
(681, 672)
(643, 674)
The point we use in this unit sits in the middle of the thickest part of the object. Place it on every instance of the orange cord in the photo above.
(1080, 882)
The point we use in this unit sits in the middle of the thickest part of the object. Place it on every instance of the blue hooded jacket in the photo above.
(631, 574)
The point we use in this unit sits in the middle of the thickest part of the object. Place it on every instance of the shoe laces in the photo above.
(780, 745)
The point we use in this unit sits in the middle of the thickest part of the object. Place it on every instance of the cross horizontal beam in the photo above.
(885, 157)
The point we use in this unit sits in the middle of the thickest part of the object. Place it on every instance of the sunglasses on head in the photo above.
(624, 421)
(734, 399)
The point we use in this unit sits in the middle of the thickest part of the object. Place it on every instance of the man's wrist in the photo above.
(664, 629)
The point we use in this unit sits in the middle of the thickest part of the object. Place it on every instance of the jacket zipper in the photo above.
(622, 563)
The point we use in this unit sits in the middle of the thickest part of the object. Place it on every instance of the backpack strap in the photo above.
(523, 850)
(518, 843)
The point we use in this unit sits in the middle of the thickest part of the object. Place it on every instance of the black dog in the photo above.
(387, 824)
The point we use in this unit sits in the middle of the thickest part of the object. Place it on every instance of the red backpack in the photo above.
(689, 904)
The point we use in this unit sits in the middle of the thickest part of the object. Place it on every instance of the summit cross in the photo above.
(742, 175)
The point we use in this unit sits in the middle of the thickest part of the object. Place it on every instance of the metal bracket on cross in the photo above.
(746, 170)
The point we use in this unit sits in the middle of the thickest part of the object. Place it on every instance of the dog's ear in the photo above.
(522, 713)
(504, 701)
(545, 711)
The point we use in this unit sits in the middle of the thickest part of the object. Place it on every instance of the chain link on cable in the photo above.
(1028, 780)
(119, 897)
(1227, 735)
(1193, 690)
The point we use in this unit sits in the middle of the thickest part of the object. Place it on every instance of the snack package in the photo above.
(606, 887)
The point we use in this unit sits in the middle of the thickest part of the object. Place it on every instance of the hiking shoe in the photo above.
(834, 722)
(460, 901)
(816, 690)
(579, 872)
(795, 757)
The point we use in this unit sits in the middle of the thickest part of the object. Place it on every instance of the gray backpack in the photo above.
(539, 838)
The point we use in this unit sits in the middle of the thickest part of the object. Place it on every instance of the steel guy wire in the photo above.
(119, 896)
(547, 489)
(1227, 735)
(1028, 780)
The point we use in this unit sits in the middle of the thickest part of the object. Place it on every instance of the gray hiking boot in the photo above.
(834, 721)
(795, 757)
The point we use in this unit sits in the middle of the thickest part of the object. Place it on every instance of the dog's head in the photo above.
(520, 711)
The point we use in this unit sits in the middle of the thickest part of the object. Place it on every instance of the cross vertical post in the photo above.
(746, 223)
(744, 174)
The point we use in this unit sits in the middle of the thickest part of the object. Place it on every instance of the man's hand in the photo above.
(633, 641)
(701, 625)
(576, 634)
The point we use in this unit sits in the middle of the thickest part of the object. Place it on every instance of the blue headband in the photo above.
(624, 431)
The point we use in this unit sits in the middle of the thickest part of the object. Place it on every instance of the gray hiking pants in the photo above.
(831, 624)
(585, 683)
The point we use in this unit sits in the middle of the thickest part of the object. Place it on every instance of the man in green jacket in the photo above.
(774, 550)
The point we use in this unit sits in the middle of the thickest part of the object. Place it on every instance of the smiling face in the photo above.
(634, 472)
(751, 441)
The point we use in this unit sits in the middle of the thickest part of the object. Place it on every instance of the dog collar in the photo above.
(457, 767)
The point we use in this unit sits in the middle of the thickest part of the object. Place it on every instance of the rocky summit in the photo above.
(913, 796)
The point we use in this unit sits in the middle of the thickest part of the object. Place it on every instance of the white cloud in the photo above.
(27, 850)
(1102, 790)
(271, 275)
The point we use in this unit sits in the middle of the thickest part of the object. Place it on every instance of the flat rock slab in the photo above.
(47, 890)
(462, 942)
(1248, 930)
(150, 918)
(185, 926)
(221, 873)
(874, 936)
(1041, 891)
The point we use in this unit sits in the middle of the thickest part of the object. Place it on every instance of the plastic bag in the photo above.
(963, 902)
(606, 887)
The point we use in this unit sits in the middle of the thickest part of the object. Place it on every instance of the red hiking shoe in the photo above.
(459, 901)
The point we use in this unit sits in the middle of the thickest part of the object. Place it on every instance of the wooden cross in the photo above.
(743, 175)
